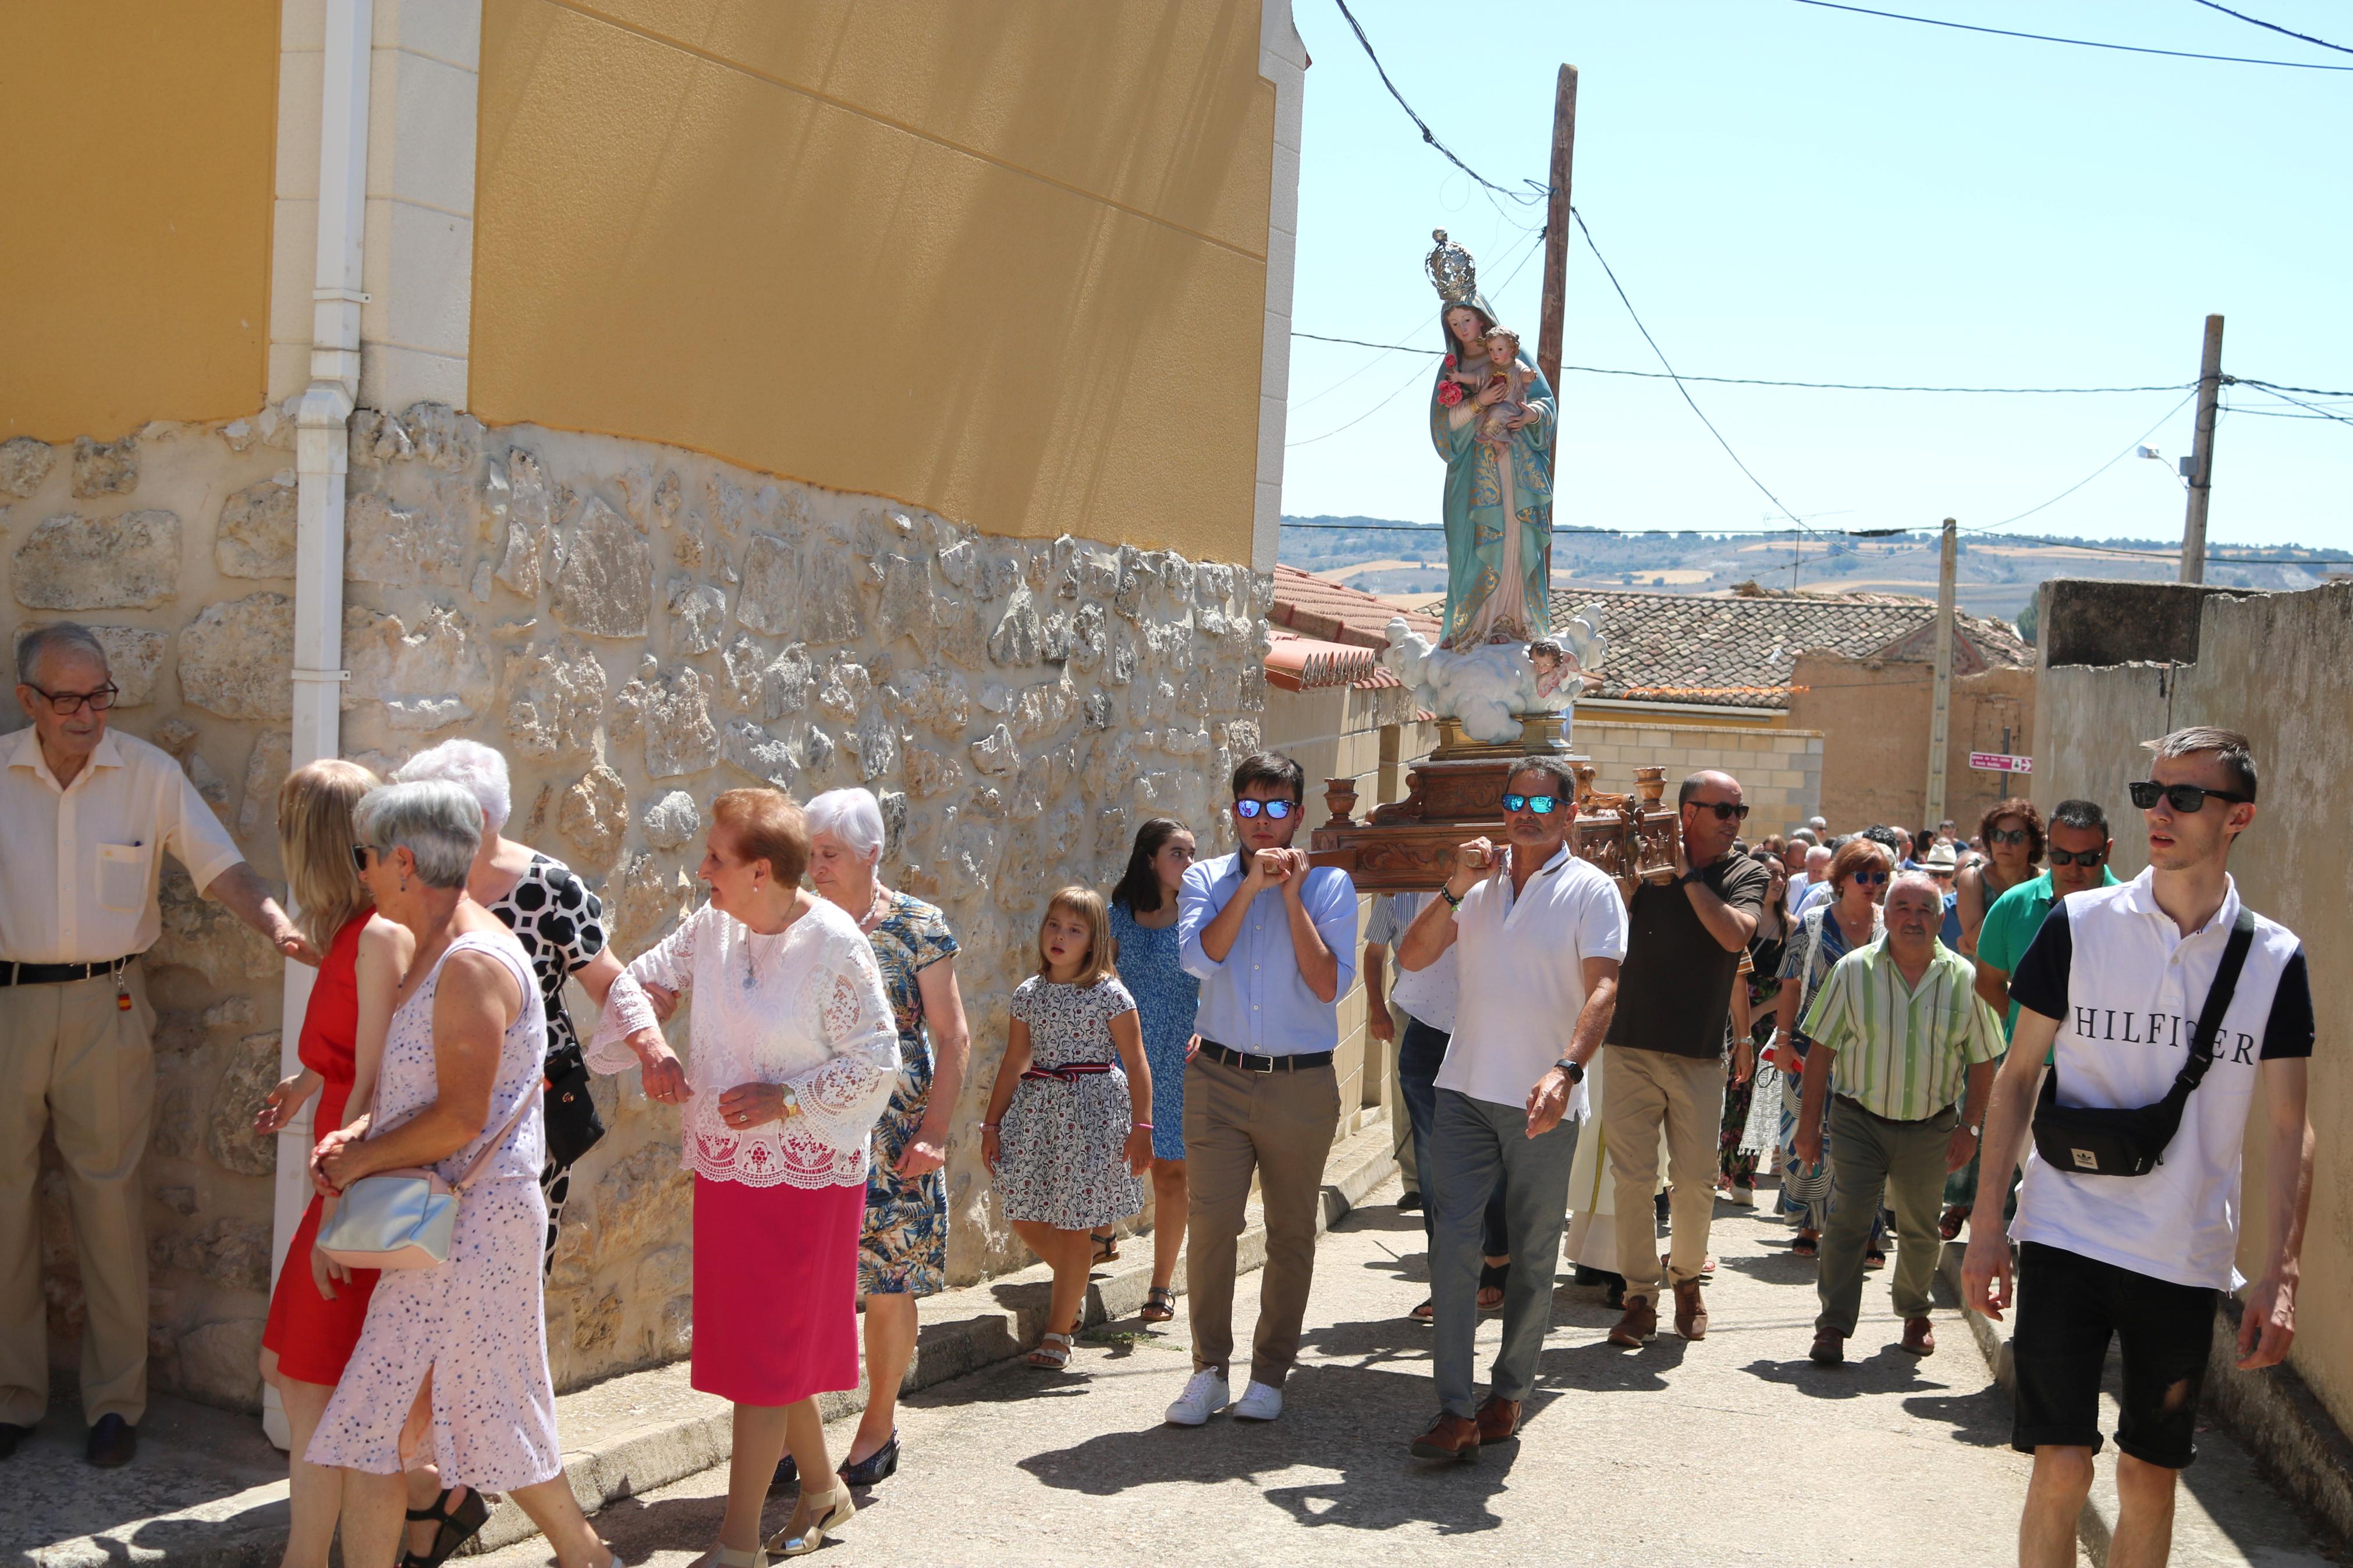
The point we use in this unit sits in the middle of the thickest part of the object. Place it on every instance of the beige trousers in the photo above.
(1278, 1125)
(72, 1059)
(1685, 1094)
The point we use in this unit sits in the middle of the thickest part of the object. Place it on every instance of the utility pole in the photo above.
(2201, 461)
(1555, 268)
(1940, 707)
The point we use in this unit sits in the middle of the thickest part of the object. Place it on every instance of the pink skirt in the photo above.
(776, 1290)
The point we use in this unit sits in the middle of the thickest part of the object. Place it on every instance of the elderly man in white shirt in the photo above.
(85, 817)
(1539, 934)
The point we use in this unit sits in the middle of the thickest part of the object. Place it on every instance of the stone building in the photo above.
(677, 397)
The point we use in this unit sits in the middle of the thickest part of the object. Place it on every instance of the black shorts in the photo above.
(2068, 1305)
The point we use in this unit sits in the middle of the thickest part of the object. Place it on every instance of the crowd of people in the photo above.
(1863, 1019)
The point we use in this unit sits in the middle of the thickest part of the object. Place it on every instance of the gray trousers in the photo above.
(1902, 1161)
(1474, 1144)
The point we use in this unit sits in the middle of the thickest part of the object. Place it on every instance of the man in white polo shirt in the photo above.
(87, 817)
(2112, 993)
(1539, 934)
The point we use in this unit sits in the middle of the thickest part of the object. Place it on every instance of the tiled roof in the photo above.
(1318, 608)
(1307, 664)
(1740, 650)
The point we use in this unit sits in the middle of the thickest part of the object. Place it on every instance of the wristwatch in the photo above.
(1575, 1071)
(1976, 1132)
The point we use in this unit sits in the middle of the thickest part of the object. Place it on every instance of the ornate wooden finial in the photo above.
(1340, 796)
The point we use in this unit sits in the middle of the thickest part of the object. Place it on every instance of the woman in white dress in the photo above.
(451, 1366)
(794, 1055)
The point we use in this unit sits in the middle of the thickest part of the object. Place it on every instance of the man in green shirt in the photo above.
(1904, 1031)
(2078, 847)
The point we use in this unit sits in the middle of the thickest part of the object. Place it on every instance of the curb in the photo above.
(653, 1428)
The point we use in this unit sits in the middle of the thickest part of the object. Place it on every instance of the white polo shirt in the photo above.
(1427, 995)
(1521, 965)
(79, 867)
(2127, 988)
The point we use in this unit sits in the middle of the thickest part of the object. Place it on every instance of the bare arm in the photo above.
(943, 1019)
(1964, 1143)
(1743, 1036)
(1001, 1094)
(1813, 1098)
(1986, 1277)
(1993, 985)
(473, 1002)
(1375, 969)
(1731, 928)
(249, 900)
(385, 951)
(1128, 1037)
(2267, 1326)
(1969, 903)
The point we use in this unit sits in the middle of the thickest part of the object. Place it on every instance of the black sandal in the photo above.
(456, 1529)
(1106, 1247)
(1493, 1277)
(1160, 1305)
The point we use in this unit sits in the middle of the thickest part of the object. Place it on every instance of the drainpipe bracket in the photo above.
(320, 675)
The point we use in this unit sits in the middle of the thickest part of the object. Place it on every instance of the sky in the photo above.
(1794, 193)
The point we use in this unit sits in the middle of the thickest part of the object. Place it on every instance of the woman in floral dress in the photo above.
(1143, 933)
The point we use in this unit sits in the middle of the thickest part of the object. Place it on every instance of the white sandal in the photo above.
(1053, 1351)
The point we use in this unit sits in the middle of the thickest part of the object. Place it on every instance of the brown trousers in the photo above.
(1641, 1091)
(72, 1059)
(1280, 1126)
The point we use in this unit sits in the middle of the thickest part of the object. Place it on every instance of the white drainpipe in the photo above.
(322, 465)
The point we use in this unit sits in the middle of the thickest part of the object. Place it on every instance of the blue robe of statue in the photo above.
(1498, 520)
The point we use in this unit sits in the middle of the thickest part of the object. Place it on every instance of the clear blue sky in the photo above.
(1795, 193)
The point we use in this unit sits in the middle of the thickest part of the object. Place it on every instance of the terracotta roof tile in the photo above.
(1318, 608)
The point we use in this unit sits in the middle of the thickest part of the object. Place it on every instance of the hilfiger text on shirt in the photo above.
(2169, 1030)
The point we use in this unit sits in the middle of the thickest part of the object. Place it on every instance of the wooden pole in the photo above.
(1940, 705)
(1556, 270)
(2201, 461)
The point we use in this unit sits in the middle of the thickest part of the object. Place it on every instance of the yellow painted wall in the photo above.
(136, 147)
(1003, 260)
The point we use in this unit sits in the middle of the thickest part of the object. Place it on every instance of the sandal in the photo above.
(1053, 1351)
(1160, 1305)
(456, 1529)
(1948, 1225)
(1106, 1247)
(1806, 1245)
(1425, 1313)
(1493, 1277)
(1875, 1260)
(814, 1517)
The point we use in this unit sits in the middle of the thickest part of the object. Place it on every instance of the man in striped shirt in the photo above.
(1901, 1026)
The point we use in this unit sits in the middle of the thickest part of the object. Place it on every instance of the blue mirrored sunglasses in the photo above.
(1541, 804)
(1277, 809)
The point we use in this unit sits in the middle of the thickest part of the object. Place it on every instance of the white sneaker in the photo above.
(1203, 1397)
(1260, 1401)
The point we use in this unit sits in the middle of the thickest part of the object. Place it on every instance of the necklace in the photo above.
(875, 912)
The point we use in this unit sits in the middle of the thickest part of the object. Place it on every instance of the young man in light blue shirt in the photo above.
(1274, 944)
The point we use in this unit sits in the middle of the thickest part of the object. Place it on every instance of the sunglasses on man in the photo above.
(2187, 799)
(1541, 804)
(2088, 858)
(1277, 809)
(1725, 811)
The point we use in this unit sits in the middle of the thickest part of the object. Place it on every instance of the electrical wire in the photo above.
(2079, 43)
(2273, 27)
(2300, 403)
(1390, 348)
(2130, 447)
(1534, 192)
(2275, 387)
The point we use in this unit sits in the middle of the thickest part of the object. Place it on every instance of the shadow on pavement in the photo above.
(1979, 1419)
(1891, 1371)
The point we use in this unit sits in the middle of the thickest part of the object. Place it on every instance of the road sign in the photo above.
(2000, 763)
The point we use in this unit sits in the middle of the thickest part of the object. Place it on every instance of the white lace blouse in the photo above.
(804, 1007)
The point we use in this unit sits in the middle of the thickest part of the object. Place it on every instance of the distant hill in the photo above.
(1993, 576)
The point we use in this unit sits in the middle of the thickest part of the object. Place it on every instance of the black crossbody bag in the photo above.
(2095, 1141)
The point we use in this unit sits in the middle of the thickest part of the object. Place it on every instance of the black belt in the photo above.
(1069, 1073)
(1249, 1063)
(1849, 1099)
(55, 973)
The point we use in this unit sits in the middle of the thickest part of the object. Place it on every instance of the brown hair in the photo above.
(1493, 332)
(315, 835)
(766, 825)
(2022, 808)
(1102, 950)
(1852, 857)
(2237, 756)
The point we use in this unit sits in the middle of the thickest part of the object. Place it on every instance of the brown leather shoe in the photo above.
(1691, 1313)
(1639, 1327)
(1919, 1336)
(1451, 1436)
(1498, 1419)
(1829, 1348)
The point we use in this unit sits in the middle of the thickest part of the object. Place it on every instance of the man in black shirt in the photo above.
(1664, 1061)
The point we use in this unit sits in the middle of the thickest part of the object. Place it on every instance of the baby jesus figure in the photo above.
(1503, 366)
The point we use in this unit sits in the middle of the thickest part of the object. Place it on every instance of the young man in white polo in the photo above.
(2111, 993)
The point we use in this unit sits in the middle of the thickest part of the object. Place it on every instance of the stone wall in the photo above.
(1873, 715)
(637, 628)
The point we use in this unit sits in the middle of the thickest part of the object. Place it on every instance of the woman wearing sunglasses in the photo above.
(2013, 831)
(1831, 929)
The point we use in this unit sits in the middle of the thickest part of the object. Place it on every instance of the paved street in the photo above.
(1733, 1450)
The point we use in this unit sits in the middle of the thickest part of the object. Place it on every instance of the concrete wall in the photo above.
(1874, 716)
(135, 253)
(1780, 768)
(637, 628)
(1009, 261)
(2279, 667)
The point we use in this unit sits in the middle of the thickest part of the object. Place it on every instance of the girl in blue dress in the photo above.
(1144, 930)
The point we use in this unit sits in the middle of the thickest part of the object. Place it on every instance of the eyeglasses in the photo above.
(2008, 834)
(100, 701)
(1940, 872)
(2084, 858)
(1541, 804)
(360, 853)
(1277, 809)
(2187, 799)
(1725, 811)
(1868, 878)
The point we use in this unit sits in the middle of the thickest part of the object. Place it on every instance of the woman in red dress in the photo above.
(318, 1307)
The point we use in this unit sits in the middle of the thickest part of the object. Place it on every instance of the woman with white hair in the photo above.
(902, 1244)
(560, 925)
(464, 1343)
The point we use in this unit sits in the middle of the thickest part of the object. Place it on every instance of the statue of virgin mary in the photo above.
(1498, 506)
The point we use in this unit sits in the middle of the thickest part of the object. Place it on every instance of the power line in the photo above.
(2129, 448)
(2275, 387)
(2299, 402)
(1534, 192)
(2079, 43)
(2275, 26)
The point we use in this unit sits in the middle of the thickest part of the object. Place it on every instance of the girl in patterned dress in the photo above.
(1069, 1120)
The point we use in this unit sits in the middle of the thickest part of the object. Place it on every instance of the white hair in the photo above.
(1915, 879)
(437, 820)
(852, 816)
(1827, 854)
(478, 769)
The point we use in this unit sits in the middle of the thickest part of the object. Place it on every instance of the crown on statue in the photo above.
(1451, 271)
